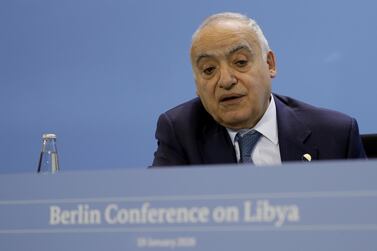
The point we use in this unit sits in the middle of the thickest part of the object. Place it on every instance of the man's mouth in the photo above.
(231, 98)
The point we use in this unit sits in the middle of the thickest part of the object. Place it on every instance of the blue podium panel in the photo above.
(316, 206)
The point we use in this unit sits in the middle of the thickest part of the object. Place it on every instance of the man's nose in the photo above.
(227, 79)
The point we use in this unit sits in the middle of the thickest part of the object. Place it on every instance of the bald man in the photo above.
(236, 118)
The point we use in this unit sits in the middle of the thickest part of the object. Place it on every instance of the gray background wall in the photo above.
(98, 73)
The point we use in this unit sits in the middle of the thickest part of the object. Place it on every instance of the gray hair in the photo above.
(237, 16)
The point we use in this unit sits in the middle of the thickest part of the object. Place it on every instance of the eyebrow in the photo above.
(238, 48)
(201, 56)
(231, 51)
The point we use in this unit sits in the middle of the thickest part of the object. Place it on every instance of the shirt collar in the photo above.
(267, 125)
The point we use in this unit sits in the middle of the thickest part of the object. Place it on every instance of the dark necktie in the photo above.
(246, 144)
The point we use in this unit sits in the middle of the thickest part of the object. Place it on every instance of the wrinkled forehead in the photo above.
(222, 38)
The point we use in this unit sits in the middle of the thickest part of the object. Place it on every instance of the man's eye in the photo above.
(209, 70)
(241, 63)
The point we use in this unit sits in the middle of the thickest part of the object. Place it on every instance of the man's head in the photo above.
(233, 68)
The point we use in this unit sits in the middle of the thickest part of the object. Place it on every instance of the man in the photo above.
(236, 117)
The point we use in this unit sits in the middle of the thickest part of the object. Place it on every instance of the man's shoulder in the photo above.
(308, 112)
(191, 110)
(186, 122)
(191, 105)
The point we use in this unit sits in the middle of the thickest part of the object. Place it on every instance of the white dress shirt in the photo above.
(266, 151)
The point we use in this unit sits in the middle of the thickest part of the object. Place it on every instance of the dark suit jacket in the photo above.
(188, 135)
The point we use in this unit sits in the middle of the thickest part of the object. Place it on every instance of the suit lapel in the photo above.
(216, 146)
(293, 134)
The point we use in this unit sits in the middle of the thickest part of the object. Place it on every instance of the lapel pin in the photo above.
(307, 157)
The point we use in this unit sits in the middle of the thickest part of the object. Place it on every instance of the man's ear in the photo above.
(271, 64)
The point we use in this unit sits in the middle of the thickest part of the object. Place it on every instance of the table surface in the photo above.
(318, 206)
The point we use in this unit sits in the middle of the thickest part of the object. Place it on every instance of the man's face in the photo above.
(233, 80)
